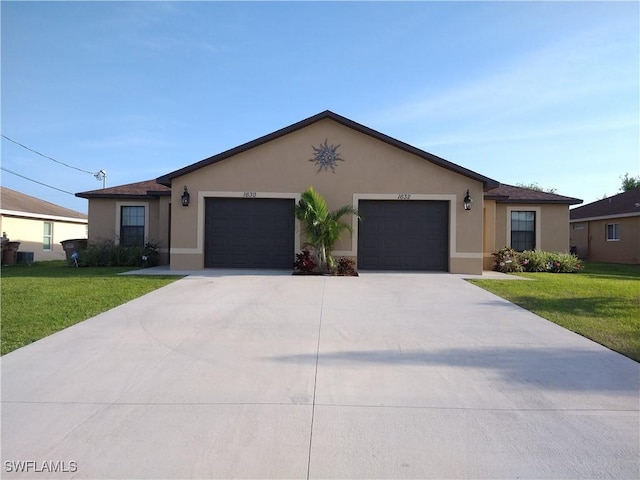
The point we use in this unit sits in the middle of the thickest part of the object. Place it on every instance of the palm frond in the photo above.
(322, 227)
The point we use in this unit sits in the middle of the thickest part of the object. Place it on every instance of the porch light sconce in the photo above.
(186, 198)
(466, 201)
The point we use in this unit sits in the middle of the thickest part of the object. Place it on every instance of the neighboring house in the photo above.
(39, 226)
(608, 230)
(235, 209)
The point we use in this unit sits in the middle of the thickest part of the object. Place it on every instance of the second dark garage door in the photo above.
(403, 235)
(249, 232)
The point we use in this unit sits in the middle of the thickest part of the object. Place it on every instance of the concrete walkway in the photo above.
(400, 376)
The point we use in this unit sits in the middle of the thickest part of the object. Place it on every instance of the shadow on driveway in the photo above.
(547, 368)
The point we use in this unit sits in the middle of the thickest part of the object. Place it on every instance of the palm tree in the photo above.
(322, 227)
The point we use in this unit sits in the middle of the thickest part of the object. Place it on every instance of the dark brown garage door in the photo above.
(403, 235)
(249, 232)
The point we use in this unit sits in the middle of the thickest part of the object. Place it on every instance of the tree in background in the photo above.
(537, 188)
(629, 183)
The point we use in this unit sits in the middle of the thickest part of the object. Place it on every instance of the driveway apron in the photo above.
(256, 375)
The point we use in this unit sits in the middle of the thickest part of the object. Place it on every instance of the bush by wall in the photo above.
(346, 266)
(508, 260)
(108, 254)
(305, 262)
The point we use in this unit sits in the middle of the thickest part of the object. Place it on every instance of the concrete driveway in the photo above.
(274, 376)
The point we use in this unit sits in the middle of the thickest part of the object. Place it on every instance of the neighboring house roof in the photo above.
(20, 205)
(625, 204)
(511, 194)
(148, 188)
(488, 182)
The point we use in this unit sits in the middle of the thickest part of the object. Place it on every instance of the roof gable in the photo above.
(13, 201)
(488, 182)
(512, 194)
(624, 204)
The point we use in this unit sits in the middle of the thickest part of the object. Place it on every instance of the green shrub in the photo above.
(108, 254)
(534, 260)
(563, 263)
(508, 260)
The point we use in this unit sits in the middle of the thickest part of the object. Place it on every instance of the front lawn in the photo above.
(602, 302)
(45, 297)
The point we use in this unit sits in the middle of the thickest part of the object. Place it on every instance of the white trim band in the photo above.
(606, 217)
(42, 216)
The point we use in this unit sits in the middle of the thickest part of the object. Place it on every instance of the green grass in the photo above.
(45, 297)
(602, 302)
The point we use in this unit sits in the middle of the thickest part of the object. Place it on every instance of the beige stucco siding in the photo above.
(590, 237)
(552, 226)
(105, 220)
(489, 234)
(30, 233)
(555, 228)
(161, 230)
(158, 221)
(579, 238)
(371, 169)
(102, 215)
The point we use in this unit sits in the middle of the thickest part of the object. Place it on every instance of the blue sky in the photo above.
(522, 92)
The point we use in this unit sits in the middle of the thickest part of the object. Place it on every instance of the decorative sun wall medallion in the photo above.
(326, 156)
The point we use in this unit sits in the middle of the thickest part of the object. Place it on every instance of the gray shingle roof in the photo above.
(512, 194)
(625, 203)
(137, 189)
(19, 202)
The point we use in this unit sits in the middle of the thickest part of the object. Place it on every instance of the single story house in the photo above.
(235, 209)
(608, 230)
(39, 226)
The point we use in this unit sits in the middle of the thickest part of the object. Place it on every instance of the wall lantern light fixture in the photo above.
(466, 201)
(186, 198)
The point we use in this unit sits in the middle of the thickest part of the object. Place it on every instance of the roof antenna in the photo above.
(101, 175)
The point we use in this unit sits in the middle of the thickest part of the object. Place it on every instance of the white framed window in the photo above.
(47, 236)
(134, 217)
(132, 226)
(519, 221)
(523, 230)
(613, 232)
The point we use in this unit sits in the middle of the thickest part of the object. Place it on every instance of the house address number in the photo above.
(404, 196)
(249, 194)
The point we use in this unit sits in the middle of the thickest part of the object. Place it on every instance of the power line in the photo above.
(49, 158)
(35, 181)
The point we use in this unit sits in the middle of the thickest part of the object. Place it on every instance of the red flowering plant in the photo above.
(346, 267)
(305, 262)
